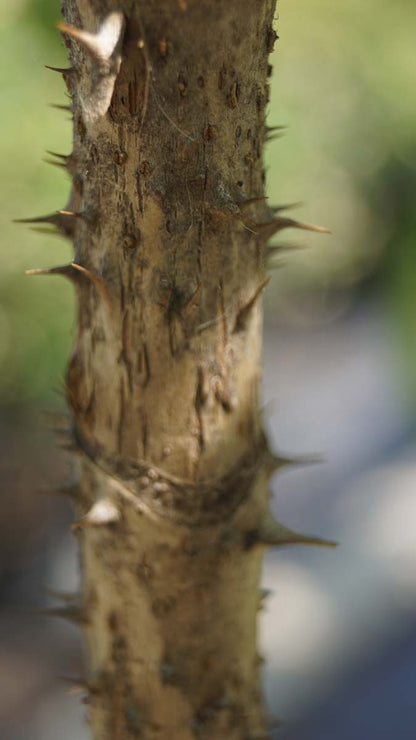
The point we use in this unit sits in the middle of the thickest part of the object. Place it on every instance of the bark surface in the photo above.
(170, 228)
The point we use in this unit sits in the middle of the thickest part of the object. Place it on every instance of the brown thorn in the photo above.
(278, 461)
(252, 201)
(273, 249)
(271, 533)
(287, 207)
(45, 230)
(274, 137)
(61, 70)
(283, 223)
(61, 165)
(57, 219)
(304, 226)
(276, 128)
(50, 218)
(251, 221)
(64, 157)
(243, 314)
(61, 107)
(65, 270)
(73, 272)
(98, 282)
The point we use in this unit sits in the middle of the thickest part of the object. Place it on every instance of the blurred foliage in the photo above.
(343, 84)
(36, 314)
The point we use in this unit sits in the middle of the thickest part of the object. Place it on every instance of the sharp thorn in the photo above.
(279, 461)
(50, 218)
(45, 230)
(252, 201)
(272, 533)
(75, 273)
(269, 129)
(61, 165)
(64, 270)
(273, 249)
(61, 70)
(287, 207)
(98, 282)
(308, 227)
(58, 219)
(244, 312)
(64, 157)
(67, 108)
(283, 223)
(274, 137)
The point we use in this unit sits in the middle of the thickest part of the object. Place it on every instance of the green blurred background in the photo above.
(343, 84)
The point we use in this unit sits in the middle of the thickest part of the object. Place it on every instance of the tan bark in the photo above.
(170, 231)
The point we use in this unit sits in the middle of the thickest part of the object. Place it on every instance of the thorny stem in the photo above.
(170, 226)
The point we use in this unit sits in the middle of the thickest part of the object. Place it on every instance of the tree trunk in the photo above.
(170, 230)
